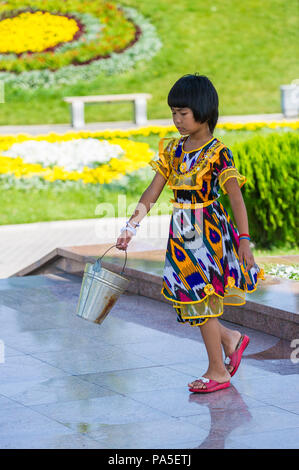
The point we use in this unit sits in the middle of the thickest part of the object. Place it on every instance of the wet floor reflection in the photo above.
(113, 386)
(280, 350)
(281, 358)
(227, 410)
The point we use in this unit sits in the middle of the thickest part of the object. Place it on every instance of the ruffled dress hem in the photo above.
(229, 294)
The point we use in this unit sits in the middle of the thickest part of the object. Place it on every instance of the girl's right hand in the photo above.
(124, 239)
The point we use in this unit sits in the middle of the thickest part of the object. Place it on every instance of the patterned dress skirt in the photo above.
(202, 272)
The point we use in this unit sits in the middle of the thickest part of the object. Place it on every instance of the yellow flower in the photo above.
(35, 32)
(142, 131)
(209, 289)
(261, 273)
(183, 167)
(230, 281)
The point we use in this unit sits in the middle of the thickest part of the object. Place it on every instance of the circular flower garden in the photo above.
(70, 41)
(71, 157)
(37, 31)
(89, 156)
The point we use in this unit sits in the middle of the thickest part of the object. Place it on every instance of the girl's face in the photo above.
(184, 121)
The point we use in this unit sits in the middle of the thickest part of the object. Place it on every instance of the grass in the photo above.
(22, 206)
(248, 49)
(277, 251)
(19, 206)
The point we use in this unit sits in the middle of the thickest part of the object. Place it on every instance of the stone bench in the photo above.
(77, 106)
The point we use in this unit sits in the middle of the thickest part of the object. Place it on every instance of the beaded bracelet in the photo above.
(130, 228)
(244, 234)
(132, 222)
(244, 238)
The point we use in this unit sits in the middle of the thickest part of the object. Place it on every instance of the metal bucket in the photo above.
(100, 289)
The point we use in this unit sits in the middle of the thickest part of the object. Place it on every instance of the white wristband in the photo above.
(130, 229)
(130, 223)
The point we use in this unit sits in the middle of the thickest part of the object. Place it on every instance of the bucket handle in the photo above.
(100, 257)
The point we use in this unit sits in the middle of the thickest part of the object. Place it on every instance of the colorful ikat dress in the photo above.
(201, 271)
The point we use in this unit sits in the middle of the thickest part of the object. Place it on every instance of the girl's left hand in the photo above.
(245, 255)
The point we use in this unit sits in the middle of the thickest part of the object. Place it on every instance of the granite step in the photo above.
(272, 308)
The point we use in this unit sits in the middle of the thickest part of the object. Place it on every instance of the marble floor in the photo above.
(69, 383)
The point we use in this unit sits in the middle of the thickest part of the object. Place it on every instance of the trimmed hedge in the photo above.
(270, 165)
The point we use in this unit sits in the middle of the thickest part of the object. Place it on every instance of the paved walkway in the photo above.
(23, 244)
(69, 383)
(93, 126)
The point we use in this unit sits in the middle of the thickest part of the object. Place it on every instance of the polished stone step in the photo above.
(272, 308)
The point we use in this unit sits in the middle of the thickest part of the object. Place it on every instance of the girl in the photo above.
(208, 261)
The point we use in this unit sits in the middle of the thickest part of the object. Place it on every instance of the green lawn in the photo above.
(248, 49)
(22, 206)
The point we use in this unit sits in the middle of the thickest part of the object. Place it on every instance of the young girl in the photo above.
(208, 261)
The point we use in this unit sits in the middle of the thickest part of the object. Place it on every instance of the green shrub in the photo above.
(270, 165)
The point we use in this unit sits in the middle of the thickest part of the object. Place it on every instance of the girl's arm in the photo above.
(240, 215)
(146, 202)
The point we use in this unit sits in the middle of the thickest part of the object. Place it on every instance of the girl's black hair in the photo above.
(199, 94)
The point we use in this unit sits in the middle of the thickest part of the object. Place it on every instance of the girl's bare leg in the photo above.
(211, 334)
(229, 340)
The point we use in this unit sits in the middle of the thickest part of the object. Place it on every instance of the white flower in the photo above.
(72, 155)
(285, 271)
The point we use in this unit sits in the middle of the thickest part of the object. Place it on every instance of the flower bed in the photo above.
(70, 41)
(36, 31)
(66, 158)
(88, 29)
(284, 271)
(86, 156)
(162, 131)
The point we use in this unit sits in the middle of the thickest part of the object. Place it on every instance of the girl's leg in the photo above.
(229, 340)
(211, 334)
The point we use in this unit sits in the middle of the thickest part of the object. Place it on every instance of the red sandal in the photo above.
(211, 385)
(235, 358)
